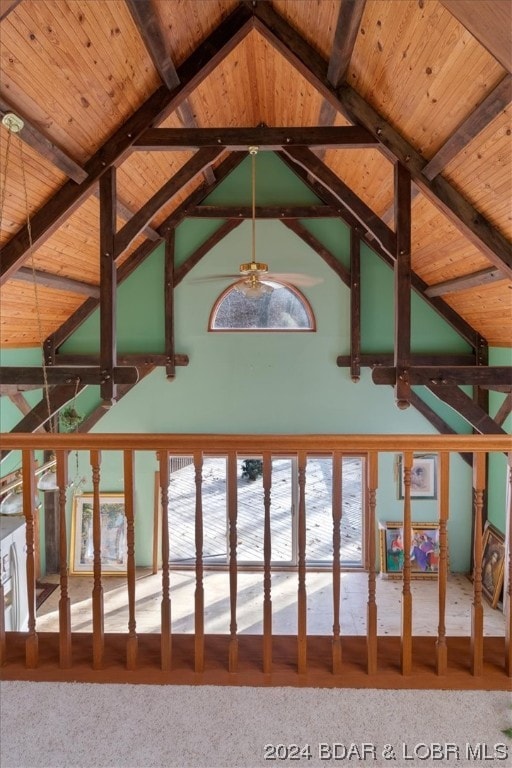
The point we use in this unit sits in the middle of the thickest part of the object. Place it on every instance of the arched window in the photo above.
(283, 308)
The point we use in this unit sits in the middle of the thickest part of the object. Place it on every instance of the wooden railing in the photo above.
(339, 660)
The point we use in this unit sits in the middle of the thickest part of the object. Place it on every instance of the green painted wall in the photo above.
(266, 382)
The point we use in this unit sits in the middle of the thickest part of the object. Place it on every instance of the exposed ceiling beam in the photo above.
(313, 67)
(194, 258)
(57, 282)
(6, 390)
(188, 120)
(347, 199)
(504, 410)
(446, 375)
(465, 407)
(58, 397)
(479, 118)
(6, 6)
(463, 283)
(262, 212)
(372, 359)
(319, 248)
(490, 21)
(24, 406)
(32, 136)
(192, 168)
(402, 284)
(271, 139)
(155, 109)
(347, 26)
(439, 305)
(139, 360)
(108, 287)
(126, 213)
(437, 422)
(62, 333)
(11, 374)
(156, 41)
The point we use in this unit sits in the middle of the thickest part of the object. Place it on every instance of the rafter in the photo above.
(504, 410)
(125, 212)
(156, 108)
(57, 282)
(313, 67)
(148, 24)
(465, 282)
(347, 26)
(319, 248)
(470, 411)
(6, 6)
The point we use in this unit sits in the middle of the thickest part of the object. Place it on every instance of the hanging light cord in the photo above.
(14, 124)
(253, 151)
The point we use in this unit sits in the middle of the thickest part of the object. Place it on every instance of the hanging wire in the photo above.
(253, 151)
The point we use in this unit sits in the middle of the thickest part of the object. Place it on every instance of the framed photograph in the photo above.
(493, 563)
(113, 534)
(423, 477)
(423, 554)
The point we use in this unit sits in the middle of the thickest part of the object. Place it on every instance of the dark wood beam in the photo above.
(490, 21)
(6, 390)
(355, 306)
(483, 277)
(446, 376)
(329, 258)
(20, 375)
(170, 367)
(347, 199)
(262, 212)
(38, 415)
(156, 108)
(470, 411)
(182, 271)
(137, 360)
(6, 6)
(57, 282)
(313, 67)
(487, 110)
(270, 139)
(437, 422)
(125, 212)
(192, 168)
(347, 26)
(24, 406)
(504, 410)
(439, 305)
(108, 285)
(402, 284)
(188, 120)
(33, 137)
(136, 258)
(148, 24)
(371, 360)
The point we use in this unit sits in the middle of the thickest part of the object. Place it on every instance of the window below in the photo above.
(284, 308)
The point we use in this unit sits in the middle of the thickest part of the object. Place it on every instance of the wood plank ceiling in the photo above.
(424, 77)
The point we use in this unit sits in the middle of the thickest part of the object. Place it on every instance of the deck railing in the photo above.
(339, 660)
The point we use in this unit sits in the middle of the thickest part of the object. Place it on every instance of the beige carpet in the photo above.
(49, 725)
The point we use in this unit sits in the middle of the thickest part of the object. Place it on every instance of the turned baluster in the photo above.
(199, 593)
(406, 634)
(267, 568)
(129, 511)
(301, 592)
(336, 564)
(371, 612)
(477, 609)
(65, 658)
(442, 576)
(165, 639)
(233, 566)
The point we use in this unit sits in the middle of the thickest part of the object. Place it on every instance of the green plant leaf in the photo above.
(508, 732)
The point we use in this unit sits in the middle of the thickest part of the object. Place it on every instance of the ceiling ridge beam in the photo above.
(494, 103)
(313, 67)
(457, 322)
(156, 108)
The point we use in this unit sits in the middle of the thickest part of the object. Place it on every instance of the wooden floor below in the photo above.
(284, 653)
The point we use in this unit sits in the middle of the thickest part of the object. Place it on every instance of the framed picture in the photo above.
(424, 551)
(113, 534)
(493, 563)
(423, 477)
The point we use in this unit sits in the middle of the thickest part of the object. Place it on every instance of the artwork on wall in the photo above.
(424, 551)
(493, 563)
(112, 530)
(423, 477)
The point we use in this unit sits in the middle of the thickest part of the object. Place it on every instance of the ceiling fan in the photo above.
(253, 278)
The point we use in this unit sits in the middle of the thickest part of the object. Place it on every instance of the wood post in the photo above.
(129, 510)
(371, 613)
(29, 490)
(442, 575)
(65, 652)
(336, 544)
(199, 593)
(406, 634)
(98, 634)
(477, 609)
(165, 642)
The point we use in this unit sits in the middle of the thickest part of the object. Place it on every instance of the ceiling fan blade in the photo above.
(296, 278)
(207, 278)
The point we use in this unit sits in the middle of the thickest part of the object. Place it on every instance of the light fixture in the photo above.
(251, 286)
(12, 503)
(48, 481)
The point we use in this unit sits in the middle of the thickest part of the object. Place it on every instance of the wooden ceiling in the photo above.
(430, 82)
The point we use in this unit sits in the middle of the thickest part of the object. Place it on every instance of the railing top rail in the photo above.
(247, 443)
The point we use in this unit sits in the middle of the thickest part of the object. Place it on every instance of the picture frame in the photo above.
(423, 477)
(424, 552)
(493, 563)
(114, 556)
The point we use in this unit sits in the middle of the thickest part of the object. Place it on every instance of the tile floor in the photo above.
(284, 604)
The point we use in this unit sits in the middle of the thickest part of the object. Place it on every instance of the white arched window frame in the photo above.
(284, 309)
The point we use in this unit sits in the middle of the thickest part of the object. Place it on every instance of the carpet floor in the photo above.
(50, 725)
